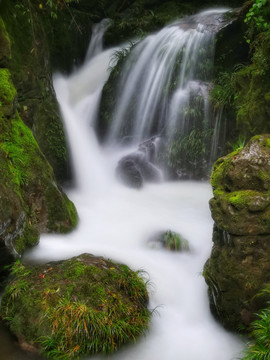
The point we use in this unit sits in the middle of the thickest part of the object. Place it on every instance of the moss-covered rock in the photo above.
(241, 186)
(30, 66)
(238, 267)
(169, 240)
(75, 307)
(31, 202)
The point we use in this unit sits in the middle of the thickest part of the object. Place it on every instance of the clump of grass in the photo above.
(174, 241)
(260, 332)
(80, 306)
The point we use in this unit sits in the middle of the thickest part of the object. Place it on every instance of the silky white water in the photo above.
(117, 222)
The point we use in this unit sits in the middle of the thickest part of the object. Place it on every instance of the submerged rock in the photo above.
(138, 167)
(170, 240)
(238, 267)
(81, 306)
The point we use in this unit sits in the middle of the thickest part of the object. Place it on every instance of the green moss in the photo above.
(266, 143)
(28, 239)
(7, 92)
(62, 214)
(173, 241)
(77, 307)
(219, 172)
(263, 175)
(23, 154)
(241, 199)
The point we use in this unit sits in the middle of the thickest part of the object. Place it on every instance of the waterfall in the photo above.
(163, 91)
(117, 222)
(96, 43)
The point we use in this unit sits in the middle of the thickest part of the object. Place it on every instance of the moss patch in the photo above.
(4, 45)
(80, 306)
(7, 93)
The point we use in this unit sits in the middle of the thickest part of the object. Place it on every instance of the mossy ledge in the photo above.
(80, 306)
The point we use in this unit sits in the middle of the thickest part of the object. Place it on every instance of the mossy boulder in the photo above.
(241, 186)
(81, 306)
(238, 267)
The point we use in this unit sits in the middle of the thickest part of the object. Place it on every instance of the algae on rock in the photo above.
(80, 306)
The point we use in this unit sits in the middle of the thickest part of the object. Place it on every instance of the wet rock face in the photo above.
(238, 267)
(236, 272)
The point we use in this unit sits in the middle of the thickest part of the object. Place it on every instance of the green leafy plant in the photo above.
(258, 17)
(260, 331)
(239, 143)
(55, 5)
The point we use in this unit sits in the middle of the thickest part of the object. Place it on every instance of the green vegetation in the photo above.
(20, 148)
(31, 202)
(223, 92)
(109, 93)
(189, 151)
(55, 6)
(174, 241)
(7, 93)
(258, 16)
(76, 307)
(141, 18)
(242, 89)
(239, 143)
(259, 349)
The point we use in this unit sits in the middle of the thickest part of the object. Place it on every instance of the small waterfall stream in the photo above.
(117, 222)
(163, 91)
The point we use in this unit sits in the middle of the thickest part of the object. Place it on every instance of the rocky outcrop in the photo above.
(238, 267)
(81, 306)
(31, 202)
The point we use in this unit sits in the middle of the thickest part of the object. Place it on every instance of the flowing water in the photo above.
(118, 222)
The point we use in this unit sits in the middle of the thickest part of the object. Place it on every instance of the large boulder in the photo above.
(76, 307)
(238, 267)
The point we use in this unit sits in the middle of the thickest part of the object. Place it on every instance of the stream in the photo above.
(118, 222)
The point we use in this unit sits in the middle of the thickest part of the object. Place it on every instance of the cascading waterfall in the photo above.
(95, 46)
(118, 222)
(163, 90)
